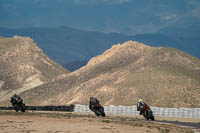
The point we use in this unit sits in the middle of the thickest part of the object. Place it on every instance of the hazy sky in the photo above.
(126, 16)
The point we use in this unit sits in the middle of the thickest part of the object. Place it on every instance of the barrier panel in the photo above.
(120, 110)
(69, 108)
(132, 110)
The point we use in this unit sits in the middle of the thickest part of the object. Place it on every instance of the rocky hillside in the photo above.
(121, 75)
(24, 66)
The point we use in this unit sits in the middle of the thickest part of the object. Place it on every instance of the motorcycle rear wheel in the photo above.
(152, 117)
(23, 108)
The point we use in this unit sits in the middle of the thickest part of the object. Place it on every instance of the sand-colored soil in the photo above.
(31, 124)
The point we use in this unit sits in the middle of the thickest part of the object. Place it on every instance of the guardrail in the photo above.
(132, 110)
(120, 110)
(69, 108)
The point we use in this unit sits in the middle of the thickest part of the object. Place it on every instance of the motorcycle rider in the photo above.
(14, 99)
(93, 103)
(140, 106)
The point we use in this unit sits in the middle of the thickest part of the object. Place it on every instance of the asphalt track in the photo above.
(194, 126)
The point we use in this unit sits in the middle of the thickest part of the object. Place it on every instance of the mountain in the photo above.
(162, 76)
(66, 45)
(24, 66)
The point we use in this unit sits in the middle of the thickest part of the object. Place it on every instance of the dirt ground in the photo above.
(44, 124)
(27, 124)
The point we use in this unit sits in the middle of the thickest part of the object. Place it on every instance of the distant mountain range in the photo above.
(67, 45)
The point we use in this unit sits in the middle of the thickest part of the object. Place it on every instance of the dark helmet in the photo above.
(91, 97)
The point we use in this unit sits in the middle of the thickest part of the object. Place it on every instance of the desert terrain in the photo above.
(40, 122)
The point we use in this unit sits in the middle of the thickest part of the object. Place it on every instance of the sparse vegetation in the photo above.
(165, 130)
(106, 121)
(135, 122)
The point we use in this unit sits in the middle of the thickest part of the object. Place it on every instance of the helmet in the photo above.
(140, 100)
(14, 94)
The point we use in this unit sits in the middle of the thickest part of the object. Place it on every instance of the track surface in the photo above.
(194, 126)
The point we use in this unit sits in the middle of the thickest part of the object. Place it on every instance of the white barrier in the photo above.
(131, 110)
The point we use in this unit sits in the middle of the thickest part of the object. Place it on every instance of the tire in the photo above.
(16, 108)
(101, 110)
(147, 118)
(97, 113)
(147, 115)
(152, 117)
(23, 108)
(103, 114)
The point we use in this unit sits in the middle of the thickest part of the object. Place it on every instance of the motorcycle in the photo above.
(19, 105)
(148, 113)
(98, 110)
